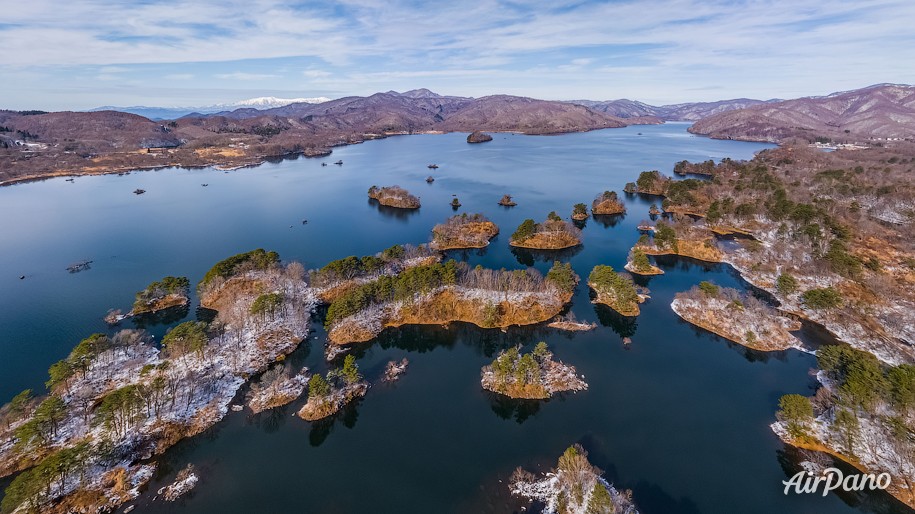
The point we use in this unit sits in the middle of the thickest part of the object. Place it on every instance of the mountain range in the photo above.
(170, 113)
(878, 111)
(36, 144)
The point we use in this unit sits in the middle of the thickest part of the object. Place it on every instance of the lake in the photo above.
(678, 415)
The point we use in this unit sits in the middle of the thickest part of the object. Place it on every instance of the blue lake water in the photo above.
(678, 415)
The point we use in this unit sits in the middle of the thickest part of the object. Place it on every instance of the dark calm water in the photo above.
(679, 416)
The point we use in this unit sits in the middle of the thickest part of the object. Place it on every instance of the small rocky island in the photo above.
(687, 241)
(615, 290)
(328, 394)
(575, 486)
(506, 201)
(553, 234)
(158, 296)
(464, 231)
(649, 183)
(394, 196)
(439, 293)
(580, 212)
(737, 317)
(275, 388)
(478, 137)
(607, 203)
(639, 264)
(533, 376)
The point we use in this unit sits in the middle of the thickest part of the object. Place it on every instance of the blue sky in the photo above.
(60, 54)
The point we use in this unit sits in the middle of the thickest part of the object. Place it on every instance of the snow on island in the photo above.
(639, 264)
(437, 294)
(552, 234)
(184, 482)
(328, 394)
(276, 388)
(158, 296)
(394, 196)
(532, 375)
(123, 393)
(737, 317)
(574, 487)
(862, 414)
(464, 231)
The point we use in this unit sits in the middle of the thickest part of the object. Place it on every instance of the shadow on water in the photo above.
(321, 429)
(509, 408)
(624, 326)
(468, 254)
(164, 317)
(395, 213)
(528, 256)
(609, 220)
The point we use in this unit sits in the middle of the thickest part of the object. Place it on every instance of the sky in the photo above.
(65, 54)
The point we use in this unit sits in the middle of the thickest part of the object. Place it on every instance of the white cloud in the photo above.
(241, 75)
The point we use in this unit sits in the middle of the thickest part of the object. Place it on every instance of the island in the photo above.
(607, 203)
(580, 212)
(342, 275)
(575, 485)
(127, 393)
(533, 376)
(275, 388)
(614, 290)
(478, 137)
(506, 201)
(638, 264)
(328, 394)
(464, 231)
(649, 183)
(685, 240)
(553, 234)
(394, 196)
(569, 323)
(741, 318)
(158, 296)
(440, 293)
(861, 414)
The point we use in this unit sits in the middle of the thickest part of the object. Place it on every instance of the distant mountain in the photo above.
(171, 113)
(676, 112)
(878, 111)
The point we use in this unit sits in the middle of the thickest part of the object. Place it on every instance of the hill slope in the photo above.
(879, 111)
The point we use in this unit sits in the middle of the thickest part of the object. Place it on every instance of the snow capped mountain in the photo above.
(167, 113)
(269, 102)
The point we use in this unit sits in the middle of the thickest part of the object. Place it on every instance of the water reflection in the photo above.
(624, 326)
(507, 408)
(609, 220)
(528, 256)
(167, 316)
(395, 213)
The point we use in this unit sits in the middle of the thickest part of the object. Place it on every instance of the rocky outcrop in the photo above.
(478, 137)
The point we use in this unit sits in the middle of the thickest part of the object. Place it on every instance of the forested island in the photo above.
(464, 231)
(574, 486)
(533, 375)
(863, 413)
(639, 264)
(328, 394)
(607, 203)
(829, 236)
(394, 196)
(118, 400)
(614, 290)
(158, 296)
(440, 293)
(553, 234)
(738, 317)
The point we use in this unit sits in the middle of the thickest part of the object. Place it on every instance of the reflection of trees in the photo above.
(321, 429)
(527, 256)
(609, 220)
(624, 326)
(580, 224)
(393, 212)
(510, 408)
(167, 316)
(465, 254)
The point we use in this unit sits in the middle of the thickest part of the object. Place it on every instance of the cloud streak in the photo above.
(670, 50)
